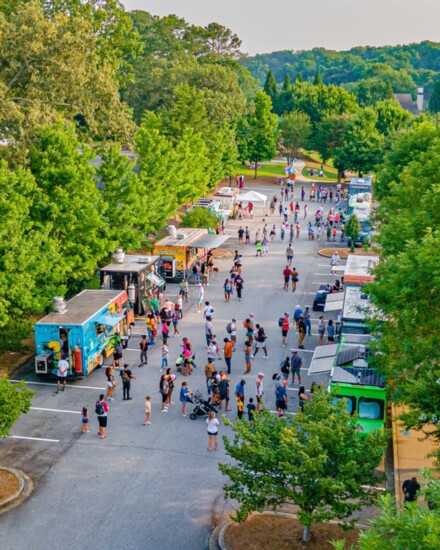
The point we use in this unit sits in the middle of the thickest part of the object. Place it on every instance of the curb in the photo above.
(217, 538)
(25, 488)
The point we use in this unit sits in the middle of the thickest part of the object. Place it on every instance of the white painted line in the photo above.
(34, 438)
(54, 410)
(68, 386)
(132, 349)
(313, 293)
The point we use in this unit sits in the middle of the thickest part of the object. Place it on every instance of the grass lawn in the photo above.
(268, 169)
(313, 160)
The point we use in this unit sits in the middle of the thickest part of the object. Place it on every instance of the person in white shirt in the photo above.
(212, 425)
(334, 261)
(208, 311)
(259, 390)
(63, 367)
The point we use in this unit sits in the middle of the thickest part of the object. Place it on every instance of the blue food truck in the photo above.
(83, 331)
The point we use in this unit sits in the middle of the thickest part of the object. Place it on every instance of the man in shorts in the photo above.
(286, 274)
(295, 367)
(260, 341)
(102, 409)
(259, 390)
(233, 333)
(63, 368)
(289, 254)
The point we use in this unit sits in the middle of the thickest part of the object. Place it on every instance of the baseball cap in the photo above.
(261, 374)
(286, 313)
(251, 314)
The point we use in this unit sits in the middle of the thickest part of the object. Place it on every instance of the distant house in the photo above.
(414, 107)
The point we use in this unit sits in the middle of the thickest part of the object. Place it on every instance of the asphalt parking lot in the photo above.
(153, 486)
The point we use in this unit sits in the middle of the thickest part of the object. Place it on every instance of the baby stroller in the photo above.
(202, 406)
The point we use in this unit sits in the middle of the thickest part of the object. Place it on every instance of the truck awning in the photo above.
(323, 359)
(156, 279)
(110, 319)
(334, 301)
(209, 241)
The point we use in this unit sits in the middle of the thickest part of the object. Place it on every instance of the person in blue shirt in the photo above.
(251, 408)
(295, 367)
(282, 401)
(239, 388)
(297, 314)
(330, 332)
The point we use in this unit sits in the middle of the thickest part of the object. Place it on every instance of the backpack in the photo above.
(281, 321)
(229, 328)
(125, 376)
(99, 408)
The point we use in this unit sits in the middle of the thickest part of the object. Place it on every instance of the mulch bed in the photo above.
(8, 484)
(344, 252)
(284, 533)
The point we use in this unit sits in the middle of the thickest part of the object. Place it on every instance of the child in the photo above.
(179, 306)
(147, 410)
(164, 357)
(240, 406)
(184, 394)
(251, 408)
(85, 421)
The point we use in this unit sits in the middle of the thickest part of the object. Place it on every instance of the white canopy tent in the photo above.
(253, 197)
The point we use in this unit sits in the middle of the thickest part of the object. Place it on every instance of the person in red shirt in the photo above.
(285, 329)
(286, 275)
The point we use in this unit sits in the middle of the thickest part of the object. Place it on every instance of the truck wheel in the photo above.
(101, 361)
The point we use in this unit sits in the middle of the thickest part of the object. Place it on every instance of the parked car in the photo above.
(364, 236)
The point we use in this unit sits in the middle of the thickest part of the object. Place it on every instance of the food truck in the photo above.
(140, 277)
(352, 379)
(227, 196)
(83, 331)
(360, 185)
(182, 248)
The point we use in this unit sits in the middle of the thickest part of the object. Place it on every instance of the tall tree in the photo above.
(287, 85)
(262, 134)
(391, 117)
(15, 399)
(270, 87)
(295, 131)
(330, 135)
(318, 79)
(316, 460)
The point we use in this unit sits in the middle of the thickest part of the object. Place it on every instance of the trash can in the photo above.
(124, 341)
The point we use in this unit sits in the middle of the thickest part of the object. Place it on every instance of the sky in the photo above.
(265, 26)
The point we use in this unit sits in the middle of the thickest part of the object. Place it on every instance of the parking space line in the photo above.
(34, 438)
(54, 410)
(68, 386)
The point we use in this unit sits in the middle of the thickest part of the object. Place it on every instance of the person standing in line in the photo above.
(163, 389)
(85, 421)
(110, 383)
(147, 410)
(330, 332)
(184, 397)
(228, 350)
(144, 350)
(239, 284)
(281, 397)
(301, 332)
(259, 390)
(247, 355)
(321, 331)
(240, 235)
(294, 278)
(295, 367)
(127, 376)
(260, 341)
(212, 425)
(209, 330)
(285, 326)
(101, 410)
(200, 294)
(62, 370)
(307, 321)
(247, 236)
(289, 255)
(286, 274)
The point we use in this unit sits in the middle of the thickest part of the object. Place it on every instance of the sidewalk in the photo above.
(410, 454)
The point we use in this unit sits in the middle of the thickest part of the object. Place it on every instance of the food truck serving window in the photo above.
(110, 319)
(371, 409)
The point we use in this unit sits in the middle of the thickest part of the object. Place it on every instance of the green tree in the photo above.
(270, 87)
(391, 117)
(262, 135)
(287, 85)
(353, 229)
(200, 217)
(316, 460)
(295, 130)
(412, 526)
(370, 91)
(434, 100)
(318, 79)
(363, 145)
(15, 399)
(330, 135)
(299, 78)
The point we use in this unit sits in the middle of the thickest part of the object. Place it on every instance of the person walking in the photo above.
(307, 321)
(297, 314)
(231, 329)
(239, 284)
(101, 410)
(258, 248)
(184, 397)
(289, 255)
(247, 355)
(110, 383)
(209, 330)
(127, 376)
(321, 330)
(334, 261)
(301, 332)
(212, 425)
(286, 274)
(295, 367)
(285, 326)
(228, 350)
(294, 278)
(144, 350)
(410, 489)
(200, 294)
(62, 370)
(260, 341)
(259, 390)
